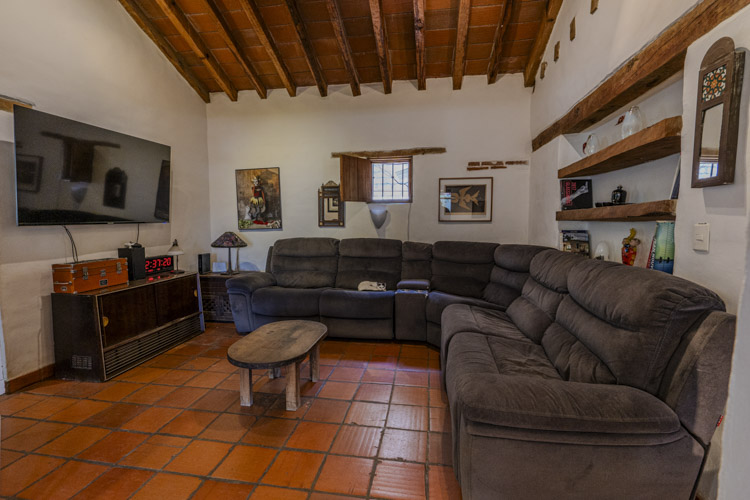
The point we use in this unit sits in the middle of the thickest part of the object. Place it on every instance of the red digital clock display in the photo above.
(158, 265)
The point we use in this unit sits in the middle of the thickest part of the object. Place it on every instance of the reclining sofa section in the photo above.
(566, 377)
(317, 279)
(600, 381)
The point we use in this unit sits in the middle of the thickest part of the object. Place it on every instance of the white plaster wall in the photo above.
(480, 122)
(604, 41)
(87, 60)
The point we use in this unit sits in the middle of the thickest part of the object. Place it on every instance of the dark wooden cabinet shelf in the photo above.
(103, 333)
(648, 211)
(657, 141)
(216, 305)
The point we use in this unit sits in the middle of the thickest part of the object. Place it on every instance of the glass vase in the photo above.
(633, 122)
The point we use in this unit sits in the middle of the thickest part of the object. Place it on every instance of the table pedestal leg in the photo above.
(246, 387)
(292, 387)
(315, 363)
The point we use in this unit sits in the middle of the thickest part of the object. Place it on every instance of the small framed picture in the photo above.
(218, 267)
(467, 199)
(29, 173)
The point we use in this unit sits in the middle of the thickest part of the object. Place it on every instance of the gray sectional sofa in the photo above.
(566, 377)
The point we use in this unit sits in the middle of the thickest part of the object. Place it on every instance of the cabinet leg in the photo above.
(246, 387)
(292, 387)
(315, 363)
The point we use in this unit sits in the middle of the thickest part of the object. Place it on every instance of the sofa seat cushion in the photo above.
(438, 301)
(291, 302)
(338, 303)
(512, 384)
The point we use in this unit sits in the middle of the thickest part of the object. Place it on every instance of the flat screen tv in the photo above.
(68, 172)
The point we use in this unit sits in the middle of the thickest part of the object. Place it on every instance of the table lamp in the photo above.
(229, 240)
(176, 251)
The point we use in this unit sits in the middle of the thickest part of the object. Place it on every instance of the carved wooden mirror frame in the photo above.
(330, 206)
(719, 84)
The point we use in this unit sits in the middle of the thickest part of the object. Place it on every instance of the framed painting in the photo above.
(258, 199)
(467, 199)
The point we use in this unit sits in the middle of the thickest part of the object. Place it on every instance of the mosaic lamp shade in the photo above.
(229, 240)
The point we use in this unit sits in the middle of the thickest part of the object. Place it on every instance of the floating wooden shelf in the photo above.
(657, 141)
(650, 210)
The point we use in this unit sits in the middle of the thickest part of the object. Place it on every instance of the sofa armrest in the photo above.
(413, 285)
(250, 282)
(558, 405)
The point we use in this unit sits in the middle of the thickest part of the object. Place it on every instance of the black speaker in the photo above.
(204, 263)
(136, 262)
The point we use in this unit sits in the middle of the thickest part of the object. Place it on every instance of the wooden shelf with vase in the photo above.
(657, 141)
(648, 211)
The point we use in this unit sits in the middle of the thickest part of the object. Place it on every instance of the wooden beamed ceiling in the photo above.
(232, 45)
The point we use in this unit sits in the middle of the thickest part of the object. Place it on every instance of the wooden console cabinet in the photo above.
(216, 305)
(102, 333)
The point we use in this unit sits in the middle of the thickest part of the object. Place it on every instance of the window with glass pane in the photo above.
(390, 180)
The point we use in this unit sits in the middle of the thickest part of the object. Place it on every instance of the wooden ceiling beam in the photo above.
(381, 44)
(193, 39)
(540, 43)
(304, 40)
(264, 35)
(343, 41)
(497, 46)
(234, 47)
(420, 46)
(462, 32)
(649, 67)
(182, 67)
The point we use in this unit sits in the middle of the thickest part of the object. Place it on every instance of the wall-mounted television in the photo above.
(68, 172)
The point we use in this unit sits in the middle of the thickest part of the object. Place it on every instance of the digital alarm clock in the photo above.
(159, 264)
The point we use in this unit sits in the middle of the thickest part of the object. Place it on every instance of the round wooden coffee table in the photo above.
(275, 345)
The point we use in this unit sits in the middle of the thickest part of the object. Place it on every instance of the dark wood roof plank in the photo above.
(497, 46)
(420, 45)
(381, 42)
(234, 46)
(304, 40)
(540, 43)
(193, 39)
(264, 36)
(346, 51)
(174, 57)
(462, 32)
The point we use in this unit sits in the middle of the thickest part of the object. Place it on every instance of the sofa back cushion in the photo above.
(462, 267)
(510, 273)
(416, 261)
(621, 324)
(534, 311)
(305, 262)
(369, 259)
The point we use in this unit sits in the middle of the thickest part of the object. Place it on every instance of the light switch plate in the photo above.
(701, 232)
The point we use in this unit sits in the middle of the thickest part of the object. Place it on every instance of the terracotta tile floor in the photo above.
(375, 426)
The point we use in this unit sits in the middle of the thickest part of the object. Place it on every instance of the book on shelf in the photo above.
(576, 194)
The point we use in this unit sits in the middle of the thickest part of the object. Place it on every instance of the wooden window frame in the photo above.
(402, 159)
(356, 178)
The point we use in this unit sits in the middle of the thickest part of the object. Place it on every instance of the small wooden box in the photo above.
(89, 275)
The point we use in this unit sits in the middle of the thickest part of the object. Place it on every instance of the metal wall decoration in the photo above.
(330, 206)
(717, 114)
(258, 199)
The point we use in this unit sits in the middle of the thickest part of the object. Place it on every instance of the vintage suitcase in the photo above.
(89, 275)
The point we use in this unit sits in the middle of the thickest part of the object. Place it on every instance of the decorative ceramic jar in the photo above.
(619, 196)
